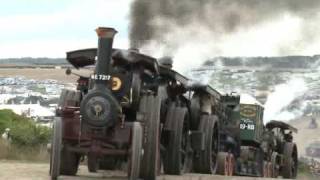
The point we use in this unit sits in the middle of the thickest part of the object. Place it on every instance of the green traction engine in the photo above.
(250, 148)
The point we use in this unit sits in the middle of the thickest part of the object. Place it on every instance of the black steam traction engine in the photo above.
(133, 110)
(113, 117)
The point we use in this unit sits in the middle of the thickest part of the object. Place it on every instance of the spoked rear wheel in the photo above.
(55, 156)
(206, 162)
(150, 110)
(178, 158)
(135, 153)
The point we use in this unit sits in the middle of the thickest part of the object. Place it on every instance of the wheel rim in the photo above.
(135, 155)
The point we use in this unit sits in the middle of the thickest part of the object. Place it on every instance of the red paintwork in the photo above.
(84, 142)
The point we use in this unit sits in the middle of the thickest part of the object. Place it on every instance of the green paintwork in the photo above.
(251, 122)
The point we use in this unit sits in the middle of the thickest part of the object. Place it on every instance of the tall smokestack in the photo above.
(105, 41)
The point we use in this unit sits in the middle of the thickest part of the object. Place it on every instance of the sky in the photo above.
(50, 28)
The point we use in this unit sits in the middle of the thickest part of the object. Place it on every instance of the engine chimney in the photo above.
(102, 69)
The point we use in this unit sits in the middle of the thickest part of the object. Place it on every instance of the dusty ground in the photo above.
(42, 74)
(305, 135)
(13, 170)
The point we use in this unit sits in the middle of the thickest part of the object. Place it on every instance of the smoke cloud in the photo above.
(193, 31)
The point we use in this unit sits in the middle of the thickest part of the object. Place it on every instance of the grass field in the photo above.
(42, 74)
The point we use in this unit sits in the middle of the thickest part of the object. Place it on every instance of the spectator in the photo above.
(6, 135)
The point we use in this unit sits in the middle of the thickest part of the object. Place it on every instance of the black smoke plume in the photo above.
(220, 16)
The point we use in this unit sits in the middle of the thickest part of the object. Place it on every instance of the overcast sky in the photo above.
(49, 28)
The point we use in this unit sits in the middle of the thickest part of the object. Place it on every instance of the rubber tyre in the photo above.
(150, 108)
(136, 152)
(290, 161)
(55, 157)
(69, 163)
(222, 163)
(206, 161)
(178, 158)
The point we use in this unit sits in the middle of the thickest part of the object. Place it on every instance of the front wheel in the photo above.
(55, 156)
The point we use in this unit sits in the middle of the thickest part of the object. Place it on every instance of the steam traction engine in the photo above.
(190, 115)
(248, 148)
(113, 117)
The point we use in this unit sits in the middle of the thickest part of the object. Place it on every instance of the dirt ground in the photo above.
(305, 135)
(29, 171)
(43, 74)
(13, 170)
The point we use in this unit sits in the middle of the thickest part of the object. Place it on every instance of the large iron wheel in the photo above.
(177, 157)
(55, 157)
(290, 161)
(206, 160)
(69, 162)
(150, 110)
(135, 153)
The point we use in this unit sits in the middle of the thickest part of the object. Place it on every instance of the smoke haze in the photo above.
(193, 31)
(283, 95)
